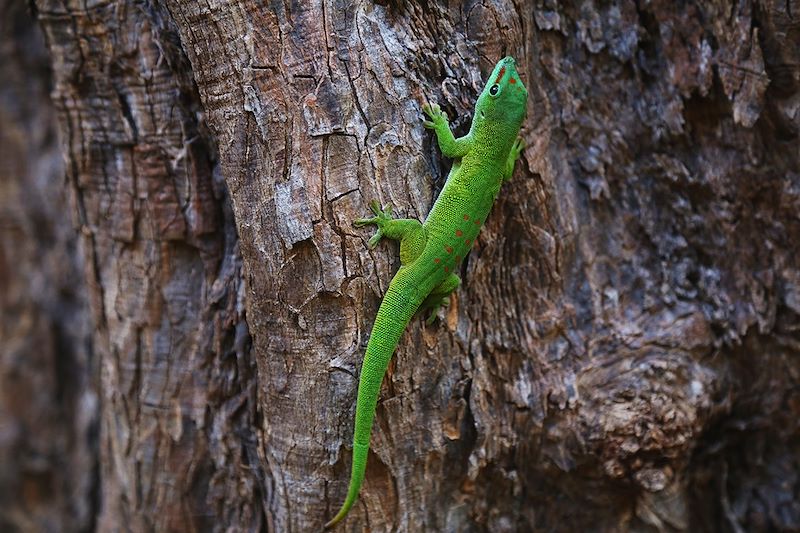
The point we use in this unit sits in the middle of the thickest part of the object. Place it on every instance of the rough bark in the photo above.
(623, 353)
(48, 403)
(177, 449)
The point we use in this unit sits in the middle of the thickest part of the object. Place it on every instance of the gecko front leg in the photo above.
(513, 155)
(409, 232)
(448, 144)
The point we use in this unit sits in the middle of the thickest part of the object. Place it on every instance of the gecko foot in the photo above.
(381, 217)
(517, 148)
(437, 116)
(433, 304)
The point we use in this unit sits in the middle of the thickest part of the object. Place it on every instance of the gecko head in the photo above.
(504, 99)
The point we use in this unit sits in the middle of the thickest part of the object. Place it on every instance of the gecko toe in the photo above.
(373, 242)
(359, 222)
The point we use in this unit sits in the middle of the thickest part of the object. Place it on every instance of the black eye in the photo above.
(493, 89)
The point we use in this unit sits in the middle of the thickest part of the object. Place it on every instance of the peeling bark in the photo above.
(622, 355)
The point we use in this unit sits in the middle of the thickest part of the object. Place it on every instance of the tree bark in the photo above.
(48, 400)
(623, 352)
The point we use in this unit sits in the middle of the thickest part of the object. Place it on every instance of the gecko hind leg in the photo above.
(439, 297)
(409, 232)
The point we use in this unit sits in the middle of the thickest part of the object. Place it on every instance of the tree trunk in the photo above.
(622, 354)
(48, 401)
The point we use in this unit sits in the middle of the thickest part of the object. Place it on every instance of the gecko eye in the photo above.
(493, 89)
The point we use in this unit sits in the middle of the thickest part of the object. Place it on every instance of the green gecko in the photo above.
(431, 252)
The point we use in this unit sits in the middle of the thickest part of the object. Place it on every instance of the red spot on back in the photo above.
(449, 249)
(512, 80)
(468, 242)
(477, 222)
(459, 233)
(500, 75)
(466, 217)
(446, 269)
(437, 260)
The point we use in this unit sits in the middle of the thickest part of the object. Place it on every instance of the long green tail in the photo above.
(393, 316)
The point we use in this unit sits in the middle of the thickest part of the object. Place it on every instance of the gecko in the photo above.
(432, 251)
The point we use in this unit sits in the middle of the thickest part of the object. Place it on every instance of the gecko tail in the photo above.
(393, 316)
(360, 452)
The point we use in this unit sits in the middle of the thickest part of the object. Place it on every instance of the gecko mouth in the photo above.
(483, 115)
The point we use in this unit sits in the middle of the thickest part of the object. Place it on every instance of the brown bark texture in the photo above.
(48, 404)
(623, 354)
